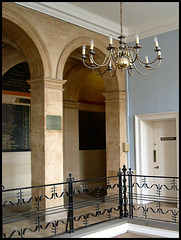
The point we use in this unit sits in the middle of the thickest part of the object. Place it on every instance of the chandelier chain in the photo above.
(121, 17)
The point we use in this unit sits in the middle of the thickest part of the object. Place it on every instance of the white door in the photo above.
(164, 153)
(164, 144)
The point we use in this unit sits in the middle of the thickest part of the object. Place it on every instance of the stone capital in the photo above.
(115, 95)
(42, 83)
(71, 104)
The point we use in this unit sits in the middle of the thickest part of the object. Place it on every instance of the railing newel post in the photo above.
(70, 181)
(130, 193)
(120, 195)
(124, 191)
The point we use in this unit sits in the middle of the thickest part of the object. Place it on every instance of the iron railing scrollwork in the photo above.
(86, 202)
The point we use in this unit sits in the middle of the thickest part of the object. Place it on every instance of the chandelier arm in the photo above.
(91, 67)
(136, 55)
(134, 60)
(98, 73)
(113, 56)
(114, 69)
(156, 66)
(104, 63)
(130, 72)
(88, 66)
(113, 73)
(143, 74)
(149, 62)
(140, 62)
(85, 64)
(154, 60)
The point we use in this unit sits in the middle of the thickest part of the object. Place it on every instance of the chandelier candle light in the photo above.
(122, 57)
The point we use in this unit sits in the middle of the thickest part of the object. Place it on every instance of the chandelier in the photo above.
(122, 57)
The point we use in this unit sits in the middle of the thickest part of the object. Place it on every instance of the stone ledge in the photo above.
(113, 228)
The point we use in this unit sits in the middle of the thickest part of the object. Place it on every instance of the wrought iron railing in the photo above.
(54, 209)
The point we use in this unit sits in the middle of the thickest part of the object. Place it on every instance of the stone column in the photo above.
(115, 131)
(46, 144)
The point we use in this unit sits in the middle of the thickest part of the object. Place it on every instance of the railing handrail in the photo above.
(84, 180)
(152, 176)
(39, 186)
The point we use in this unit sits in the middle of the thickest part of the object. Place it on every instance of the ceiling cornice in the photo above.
(90, 21)
(153, 28)
(77, 16)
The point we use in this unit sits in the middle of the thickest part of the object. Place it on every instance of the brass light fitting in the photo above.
(122, 57)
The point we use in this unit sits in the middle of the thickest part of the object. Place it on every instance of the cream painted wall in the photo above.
(16, 173)
(71, 143)
(16, 169)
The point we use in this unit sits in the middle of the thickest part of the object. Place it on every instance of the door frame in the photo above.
(139, 119)
(140, 145)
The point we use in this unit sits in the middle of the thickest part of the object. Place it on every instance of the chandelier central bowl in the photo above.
(122, 62)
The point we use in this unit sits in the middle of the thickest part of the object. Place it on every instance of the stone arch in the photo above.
(29, 43)
(115, 110)
(116, 83)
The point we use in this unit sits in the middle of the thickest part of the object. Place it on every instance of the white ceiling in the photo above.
(144, 18)
(136, 15)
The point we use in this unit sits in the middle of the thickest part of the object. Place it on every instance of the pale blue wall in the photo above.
(159, 90)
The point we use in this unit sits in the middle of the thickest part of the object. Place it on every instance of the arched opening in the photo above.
(114, 108)
(21, 61)
(84, 120)
(115, 105)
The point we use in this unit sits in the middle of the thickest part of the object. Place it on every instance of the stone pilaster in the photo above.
(46, 145)
(115, 131)
(71, 139)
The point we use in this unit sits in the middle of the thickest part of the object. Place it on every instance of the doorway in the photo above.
(92, 144)
(156, 142)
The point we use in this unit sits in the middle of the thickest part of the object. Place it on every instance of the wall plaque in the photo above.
(167, 138)
(16, 127)
(15, 78)
(53, 122)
